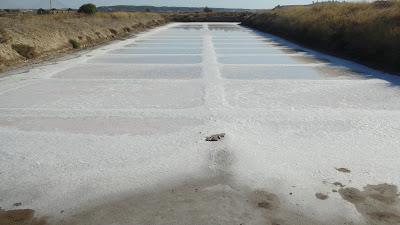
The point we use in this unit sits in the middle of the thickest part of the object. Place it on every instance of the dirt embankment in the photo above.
(209, 17)
(366, 32)
(26, 38)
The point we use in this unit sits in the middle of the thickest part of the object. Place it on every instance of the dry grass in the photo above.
(51, 33)
(369, 32)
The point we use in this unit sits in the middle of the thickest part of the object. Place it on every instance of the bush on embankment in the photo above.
(367, 32)
(27, 36)
(88, 9)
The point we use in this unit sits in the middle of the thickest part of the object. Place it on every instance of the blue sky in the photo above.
(196, 3)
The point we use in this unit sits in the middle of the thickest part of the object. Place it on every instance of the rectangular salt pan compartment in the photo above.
(105, 94)
(243, 45)
(173, 37)
(147, 59)
(241, 41)
(224, 28)
(246, 37)
(187, 28)
(266, 59)
(126, 71)
(180, 33)
(165, 45)
(287, 72)
(269, 50)
(231, 32)
(170, 41)
(156, 51)
(290, 94)
(100, 125)
(232, 37)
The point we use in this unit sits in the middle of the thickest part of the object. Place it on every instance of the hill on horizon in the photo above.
(133, 8)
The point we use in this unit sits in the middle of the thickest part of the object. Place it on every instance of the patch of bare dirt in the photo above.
(265, 199)
(321, 196)
(215, 137)
(338, 184)
(343, 170)
(20, 217)
(379, 204)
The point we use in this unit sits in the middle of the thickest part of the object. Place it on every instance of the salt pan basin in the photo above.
(117, 135)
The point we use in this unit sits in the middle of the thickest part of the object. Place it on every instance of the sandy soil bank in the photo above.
(26, 38)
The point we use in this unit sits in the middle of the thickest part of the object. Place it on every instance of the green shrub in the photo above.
(88, 9)
(74, 43)
(25, 50)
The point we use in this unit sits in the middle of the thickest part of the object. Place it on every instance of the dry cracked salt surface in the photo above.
(117, 135)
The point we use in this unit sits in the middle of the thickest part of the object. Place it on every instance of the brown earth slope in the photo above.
(28, 37)
(208, 17)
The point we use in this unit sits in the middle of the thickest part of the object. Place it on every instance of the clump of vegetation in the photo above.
(89, 39)
(4, 37)
(25, 50)
(114, 32)
(42, 11)
(127, 29)
(88, 9)
(75, 44)
(207, 10)
(368, 32)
